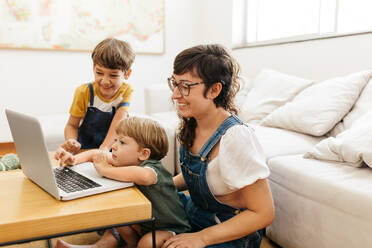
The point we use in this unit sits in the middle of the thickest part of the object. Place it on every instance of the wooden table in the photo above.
(28, 213)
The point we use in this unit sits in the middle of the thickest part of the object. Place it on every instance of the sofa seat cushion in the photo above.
(335, 185)
(277, 141)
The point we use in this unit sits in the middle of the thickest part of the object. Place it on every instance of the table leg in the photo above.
(49, 244)
(153, 233)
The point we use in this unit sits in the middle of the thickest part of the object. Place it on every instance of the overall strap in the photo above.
(221, 130)
(91, 100)
(124, 104)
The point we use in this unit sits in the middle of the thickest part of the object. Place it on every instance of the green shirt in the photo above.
(166, 206)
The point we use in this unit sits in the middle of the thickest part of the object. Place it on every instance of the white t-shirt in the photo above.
(240, 162)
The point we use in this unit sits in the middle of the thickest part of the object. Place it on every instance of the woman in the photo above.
(223, 166)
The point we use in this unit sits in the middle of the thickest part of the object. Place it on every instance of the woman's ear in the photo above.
(214, 90)
(144, 154)
(127, 74)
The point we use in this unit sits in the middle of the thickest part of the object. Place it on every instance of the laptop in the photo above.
(64, 183)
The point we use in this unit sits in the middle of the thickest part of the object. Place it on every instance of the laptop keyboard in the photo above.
(71, 181)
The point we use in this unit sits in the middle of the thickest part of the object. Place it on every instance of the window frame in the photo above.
(292, 39)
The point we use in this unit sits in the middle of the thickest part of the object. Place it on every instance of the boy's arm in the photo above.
(71, 134)
(179, 182)
(136, 174)
(120, 115)
(86, 156)
(66, 158)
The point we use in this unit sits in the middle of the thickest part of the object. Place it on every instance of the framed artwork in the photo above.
(79, 25)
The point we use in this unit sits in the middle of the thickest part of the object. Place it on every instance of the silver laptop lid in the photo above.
(32, 151)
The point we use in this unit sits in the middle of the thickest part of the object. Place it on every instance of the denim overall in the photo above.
(96, 124)
(203, 208)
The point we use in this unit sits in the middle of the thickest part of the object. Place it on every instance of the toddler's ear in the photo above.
(144, 154)
(127, 74)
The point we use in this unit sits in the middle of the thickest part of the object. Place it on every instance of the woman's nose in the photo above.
(176, 93)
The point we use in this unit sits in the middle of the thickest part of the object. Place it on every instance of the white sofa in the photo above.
(323, 200)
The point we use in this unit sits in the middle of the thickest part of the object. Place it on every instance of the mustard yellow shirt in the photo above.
(82, 96)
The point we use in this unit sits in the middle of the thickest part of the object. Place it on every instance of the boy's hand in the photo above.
(64, 157)
(102, 156)
(71, 145)
(101, 160)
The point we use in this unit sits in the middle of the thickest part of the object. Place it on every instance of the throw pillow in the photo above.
(318, 108)
(362, 106)
(352, 146)
(270, 90)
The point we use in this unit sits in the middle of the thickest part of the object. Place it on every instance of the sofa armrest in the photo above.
(158, 99)
(170, 121)
(53, 127)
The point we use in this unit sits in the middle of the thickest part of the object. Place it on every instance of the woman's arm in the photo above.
(120, 115)
(259, 214)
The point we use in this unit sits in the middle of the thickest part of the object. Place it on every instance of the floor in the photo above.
(89, 238)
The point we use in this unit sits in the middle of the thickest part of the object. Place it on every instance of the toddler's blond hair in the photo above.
(148, 133)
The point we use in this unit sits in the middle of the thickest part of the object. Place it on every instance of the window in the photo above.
(265, 22)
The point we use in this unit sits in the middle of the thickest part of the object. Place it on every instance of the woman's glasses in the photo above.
(182, 86)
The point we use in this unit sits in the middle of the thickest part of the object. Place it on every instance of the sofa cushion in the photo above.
(352, 146)
(262, 99)
(361, 106)
(335, 185)
(276, 141)
(318, 108)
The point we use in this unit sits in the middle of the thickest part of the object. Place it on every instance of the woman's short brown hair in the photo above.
(212, 63)
(148, 133)
(113, 54)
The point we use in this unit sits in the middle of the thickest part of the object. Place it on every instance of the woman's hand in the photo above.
(64, 157)
(190, 240)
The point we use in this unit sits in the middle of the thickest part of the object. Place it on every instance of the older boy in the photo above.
(98, 107)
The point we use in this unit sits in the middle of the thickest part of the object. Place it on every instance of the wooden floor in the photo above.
(89, 238)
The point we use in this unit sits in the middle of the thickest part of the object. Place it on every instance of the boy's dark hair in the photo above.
(148, 133)
(212, 63)
(113, 54)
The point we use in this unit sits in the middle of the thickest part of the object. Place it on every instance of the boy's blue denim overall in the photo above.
(203, 208)
(96, 124)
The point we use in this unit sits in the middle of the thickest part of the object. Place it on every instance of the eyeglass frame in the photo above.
(172, 87)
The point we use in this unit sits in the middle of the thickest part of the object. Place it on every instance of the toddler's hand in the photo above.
(101, 160)
(71, 145)
(64, 157)
(102, 156)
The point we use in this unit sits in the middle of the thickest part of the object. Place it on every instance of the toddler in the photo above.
(138, 147)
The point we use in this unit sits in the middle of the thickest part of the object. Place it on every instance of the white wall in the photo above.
(43, 82)
(317, 60)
